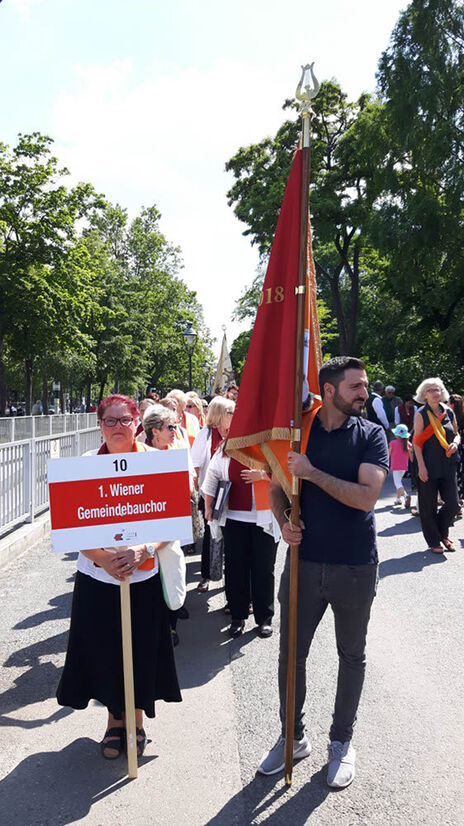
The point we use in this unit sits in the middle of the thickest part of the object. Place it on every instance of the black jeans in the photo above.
(205, 557)
(249, 569)
(435, 524)
(349, 590)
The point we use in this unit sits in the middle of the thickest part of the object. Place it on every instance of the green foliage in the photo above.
(84, 294)
(387, 196)
(239, 352)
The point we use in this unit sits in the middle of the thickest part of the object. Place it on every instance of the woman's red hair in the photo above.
(117, 399)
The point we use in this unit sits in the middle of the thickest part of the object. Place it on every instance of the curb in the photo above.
(22, 539)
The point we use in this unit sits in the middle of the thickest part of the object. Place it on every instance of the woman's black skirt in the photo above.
(93, 668)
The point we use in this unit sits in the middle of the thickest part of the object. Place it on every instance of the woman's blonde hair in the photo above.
(194, 398)
(424, 386)
(217, 408)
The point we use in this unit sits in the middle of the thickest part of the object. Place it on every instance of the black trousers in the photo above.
(205, 572)
(250, 556)
(435, 523)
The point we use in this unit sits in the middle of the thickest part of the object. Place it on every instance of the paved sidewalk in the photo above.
(50, 763)
(200, 766)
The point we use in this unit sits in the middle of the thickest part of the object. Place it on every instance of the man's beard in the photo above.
(341, 404)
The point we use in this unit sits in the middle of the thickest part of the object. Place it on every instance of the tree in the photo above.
(419, 214)
(340, 198)
(38, 217)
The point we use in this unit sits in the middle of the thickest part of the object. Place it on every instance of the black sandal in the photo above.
(117, 743)
(140, 732)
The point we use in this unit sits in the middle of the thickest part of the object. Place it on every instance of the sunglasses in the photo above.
(112, 421)
(171, 427)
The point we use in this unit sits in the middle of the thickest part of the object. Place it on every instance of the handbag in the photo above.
(172, 573)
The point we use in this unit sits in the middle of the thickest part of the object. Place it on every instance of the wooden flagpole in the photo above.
(126, 626)
(302, 298)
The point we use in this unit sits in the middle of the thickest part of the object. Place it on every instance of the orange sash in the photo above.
(427, 433)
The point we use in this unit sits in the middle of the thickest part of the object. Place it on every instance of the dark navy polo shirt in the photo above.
(336, 533)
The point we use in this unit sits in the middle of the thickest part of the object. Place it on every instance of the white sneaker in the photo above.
(341, 771)
(397, 502)
(274, 760)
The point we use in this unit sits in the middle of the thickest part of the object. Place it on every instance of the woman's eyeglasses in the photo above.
(112, 421)
(171, 427)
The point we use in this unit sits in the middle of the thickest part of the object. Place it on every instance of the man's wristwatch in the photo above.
(150, 549)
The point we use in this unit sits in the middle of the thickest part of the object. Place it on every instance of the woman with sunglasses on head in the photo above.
(436, 441)
(93, 668)
(195, 407)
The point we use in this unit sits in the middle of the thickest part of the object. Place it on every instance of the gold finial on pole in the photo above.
(305, 98)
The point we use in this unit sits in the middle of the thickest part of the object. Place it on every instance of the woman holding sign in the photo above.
(93, 668)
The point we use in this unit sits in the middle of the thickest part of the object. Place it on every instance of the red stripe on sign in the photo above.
(132, 499)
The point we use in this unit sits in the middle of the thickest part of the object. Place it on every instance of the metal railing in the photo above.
(23, 470)
(16, 428)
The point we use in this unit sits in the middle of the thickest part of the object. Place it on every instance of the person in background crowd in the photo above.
(436, 441)
(218, 423)
(399, 450)
(143, 406)
(188, 422)
(374, 407)
(37, 408)
(205, 404)
(159, 424)
(232, 391)
(390, 403)
(456, 404)
(250, 545)
(405, 412)
(195, 407)
(93, 668)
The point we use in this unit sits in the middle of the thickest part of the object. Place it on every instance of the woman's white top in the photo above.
(201, 453)
(218, 471)
(86, 566)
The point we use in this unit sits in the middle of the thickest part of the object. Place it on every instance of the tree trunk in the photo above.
(102, 390)
(28, 372)
(116, 384)
(2, 380)
(88, 391)
(45, 393)
(62, 401)
(354, 298)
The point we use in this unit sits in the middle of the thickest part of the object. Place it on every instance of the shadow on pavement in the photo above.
(409, 564)
(61, 608)
(205, 647)
(62, 786)
(261, 794)
(405, 527)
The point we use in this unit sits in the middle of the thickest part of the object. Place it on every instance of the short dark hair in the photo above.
(333, 371)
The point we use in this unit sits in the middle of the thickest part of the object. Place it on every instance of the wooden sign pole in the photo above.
(126, 627)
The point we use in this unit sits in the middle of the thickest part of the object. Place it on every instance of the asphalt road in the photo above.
(200, 766)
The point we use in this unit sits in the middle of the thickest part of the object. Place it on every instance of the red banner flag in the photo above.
(261, 430)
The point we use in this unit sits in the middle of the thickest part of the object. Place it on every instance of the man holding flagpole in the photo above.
(342, 471)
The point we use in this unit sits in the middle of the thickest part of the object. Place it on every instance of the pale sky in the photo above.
(148, 100)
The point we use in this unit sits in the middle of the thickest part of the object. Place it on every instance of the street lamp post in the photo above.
(190, 338)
